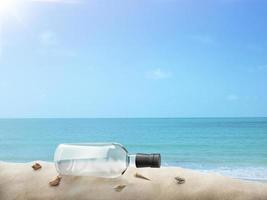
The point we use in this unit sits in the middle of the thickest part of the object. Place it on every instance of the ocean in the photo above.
(235, 147)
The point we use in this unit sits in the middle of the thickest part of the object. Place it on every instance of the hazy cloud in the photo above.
(1, 45)
(48, 38)
(203, 39)
(232, 97)
(159, 73)
(255, 69)
(1, 51)
(262, 68)
(255, 47)
(50, 44)
(3, 84)
(58, 1)
(230, 1)
(58, 52)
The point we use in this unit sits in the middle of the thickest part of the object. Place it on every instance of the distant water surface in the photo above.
(235, 147)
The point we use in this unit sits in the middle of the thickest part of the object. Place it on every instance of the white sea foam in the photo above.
(246, 173)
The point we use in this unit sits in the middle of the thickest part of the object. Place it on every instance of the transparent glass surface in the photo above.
(101, 160)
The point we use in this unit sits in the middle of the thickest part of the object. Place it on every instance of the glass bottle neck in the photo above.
(132, 160)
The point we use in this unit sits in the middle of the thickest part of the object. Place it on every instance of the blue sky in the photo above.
(153, 58)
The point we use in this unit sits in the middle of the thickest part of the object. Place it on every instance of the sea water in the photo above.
(235, 147)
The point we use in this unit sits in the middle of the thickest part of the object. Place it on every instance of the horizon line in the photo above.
(6, 118)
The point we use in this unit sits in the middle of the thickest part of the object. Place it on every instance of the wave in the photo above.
(245, 173)
(258, 173)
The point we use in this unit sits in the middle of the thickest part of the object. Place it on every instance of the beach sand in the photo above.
(20, 181)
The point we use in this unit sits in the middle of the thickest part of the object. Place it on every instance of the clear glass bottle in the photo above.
(108, 160)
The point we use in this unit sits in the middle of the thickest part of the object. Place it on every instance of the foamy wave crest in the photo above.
(246, 173)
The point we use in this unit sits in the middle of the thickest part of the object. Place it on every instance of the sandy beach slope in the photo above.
(20, 181)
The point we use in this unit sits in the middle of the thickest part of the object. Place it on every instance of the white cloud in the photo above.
(58, 1)
(48, 38)
(232, 97)
(159, 73)
(203, 39)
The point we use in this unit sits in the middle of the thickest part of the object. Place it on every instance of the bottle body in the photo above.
(107, 160)
(101, 160)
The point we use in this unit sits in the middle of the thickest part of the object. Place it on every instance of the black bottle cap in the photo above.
(147, 160)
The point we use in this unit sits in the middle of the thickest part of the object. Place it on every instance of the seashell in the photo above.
(141, 176)
(119, 188)
(36, 166)
(179, 180)
(55, 182)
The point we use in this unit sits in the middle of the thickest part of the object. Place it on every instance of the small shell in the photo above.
(141, 176)
(36, 166)
(119, 188)
(55, 182)
(179, 180)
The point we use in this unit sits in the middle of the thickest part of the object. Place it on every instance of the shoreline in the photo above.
(20, 181)
(201, 171)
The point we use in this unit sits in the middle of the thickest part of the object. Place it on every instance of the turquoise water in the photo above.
(231, 146)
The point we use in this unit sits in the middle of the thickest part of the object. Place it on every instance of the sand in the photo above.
(20, 181)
